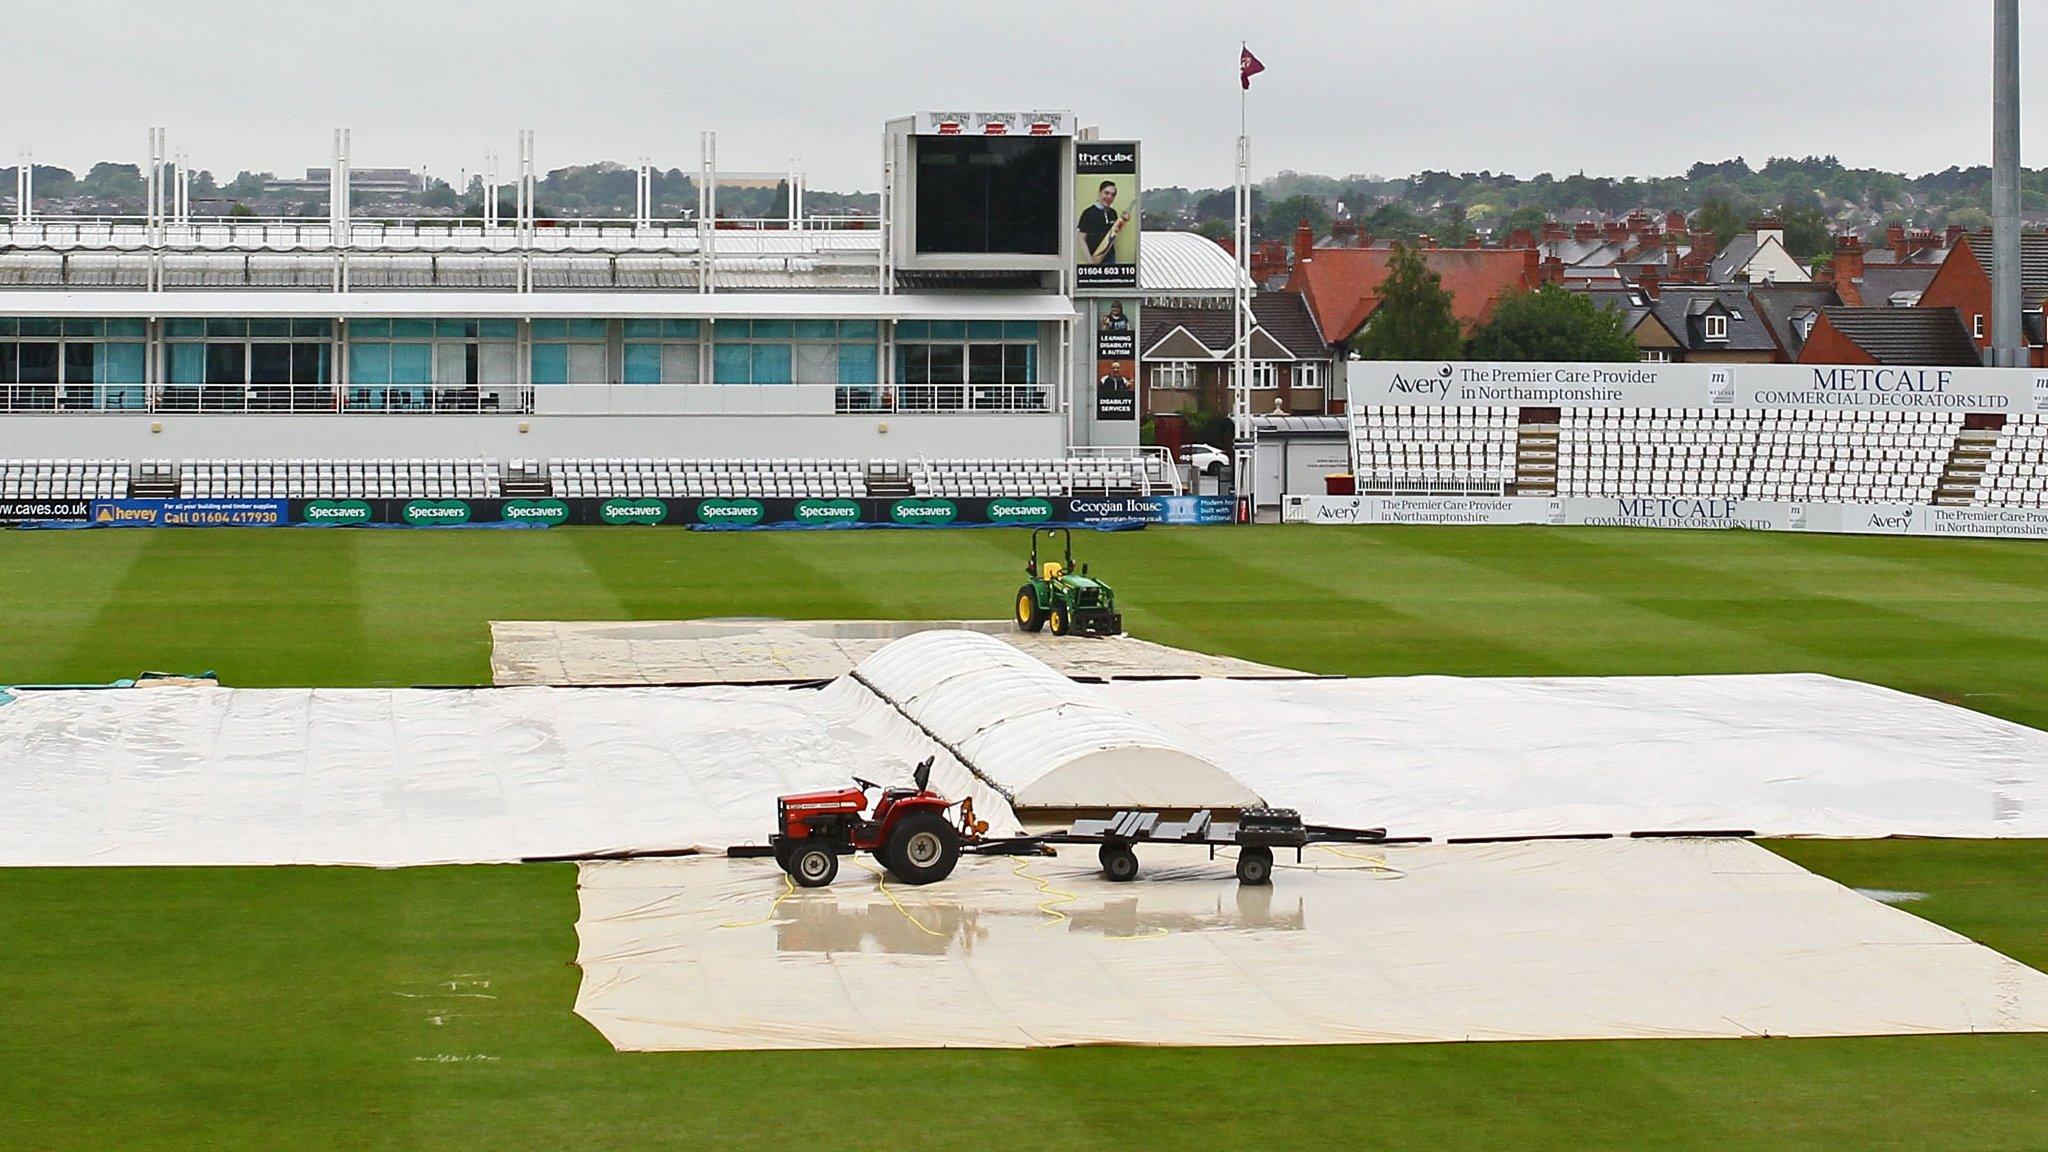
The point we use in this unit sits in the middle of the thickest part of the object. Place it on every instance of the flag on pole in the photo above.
(1248, 66)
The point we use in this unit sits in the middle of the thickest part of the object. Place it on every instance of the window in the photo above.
(1715, 326)
(984, 365)
(1977, 326)
(1265, 375)
(1308, 375)
(226, 364)
(1178, 376)
(662, 351)
(1656, 356)
(417, 364)
(48, 364)
(569, 352)
(812, 352)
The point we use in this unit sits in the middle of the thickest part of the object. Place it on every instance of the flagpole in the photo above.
(1241, 359)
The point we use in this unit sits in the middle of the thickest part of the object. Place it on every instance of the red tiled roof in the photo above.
(1342, 285)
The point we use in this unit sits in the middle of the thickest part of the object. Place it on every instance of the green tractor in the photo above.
(1071, 601)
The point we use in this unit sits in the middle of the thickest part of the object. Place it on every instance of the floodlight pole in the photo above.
(2008, 343)
(1241, 348)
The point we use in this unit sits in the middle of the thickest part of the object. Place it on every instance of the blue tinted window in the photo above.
(771, 329)
(679, 329)
(643, 363)
(322, 328)
(817, 329)
(771, 364)
(187, 363)
(732, 364)
(36, 326)
(1020, 329)
(643, 329)
(550, 329)
(586, 329)
(859, 330)
(368, 363)
(498, 329)
(119, 364)
(984, 329)
(412, 329)
(224, 326)
(369, 328)
(949, 330)
(857, 363)
(550, 362)
(412, 363)
(913, 330)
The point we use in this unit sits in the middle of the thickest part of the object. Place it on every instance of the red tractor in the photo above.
(908, 832)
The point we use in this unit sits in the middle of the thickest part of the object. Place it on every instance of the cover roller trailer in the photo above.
(1255, 834)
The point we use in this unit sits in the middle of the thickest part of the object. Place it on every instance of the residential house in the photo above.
(1911, 336)
(1964, 283)
(1186, 334)
(1758, 256)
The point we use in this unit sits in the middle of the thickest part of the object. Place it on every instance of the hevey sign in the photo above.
(1766, 386)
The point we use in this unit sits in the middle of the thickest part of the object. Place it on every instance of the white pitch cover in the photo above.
(1532, 941)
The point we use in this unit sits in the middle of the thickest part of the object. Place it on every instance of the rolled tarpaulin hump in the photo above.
(1035, 735)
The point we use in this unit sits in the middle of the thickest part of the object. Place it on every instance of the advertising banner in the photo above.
(1106, 234)
(35, 511)
(190, 513)
(1828, 387)
(771, 512)
(1650, 512)
(1116, 359)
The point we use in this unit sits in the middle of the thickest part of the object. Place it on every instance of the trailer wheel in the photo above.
(1030, 617)
(1119, 863)
(923, 849)
(812, 864)
(1255, 866)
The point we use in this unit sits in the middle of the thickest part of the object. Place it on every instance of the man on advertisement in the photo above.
(1116, 397)
(1106, 234)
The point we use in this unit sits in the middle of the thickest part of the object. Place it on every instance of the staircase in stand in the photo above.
(888, 480)
(526, 480)
(1536, 453)
(154, 480)
(1964, 470)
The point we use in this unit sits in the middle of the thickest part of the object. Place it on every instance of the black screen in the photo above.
(988, 194)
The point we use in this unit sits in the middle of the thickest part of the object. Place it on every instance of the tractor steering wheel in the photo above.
(866, 784)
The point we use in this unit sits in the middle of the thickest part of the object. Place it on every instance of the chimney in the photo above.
(1586, 230)
(1475, 240)
(1848, 259)
(1674, 221)
(1553, 270)
(1895, 239)
(1768, 228)
(1228, 244)
(1520, 238)
(1705, 245)
(1532, 267)
(1425, 241)
(1344, 232)
(1304, 241)
(1553, 232)
(1647, 280)
(1954, 235)
(1616, 230)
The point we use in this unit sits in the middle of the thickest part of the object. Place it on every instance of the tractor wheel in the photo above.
(923, 849)
(1030, 617)
(812, 864)
(1119, 862)
(780, 850)
(1255, 866)
(1061, 625)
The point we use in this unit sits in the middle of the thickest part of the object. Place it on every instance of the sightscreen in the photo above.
(978, 194)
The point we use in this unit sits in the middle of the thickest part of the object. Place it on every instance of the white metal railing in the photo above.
(547, 399)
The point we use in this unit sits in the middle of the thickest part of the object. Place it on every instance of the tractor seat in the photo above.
(898, 793)
(1052, 570)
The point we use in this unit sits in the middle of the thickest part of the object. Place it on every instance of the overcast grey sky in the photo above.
(1366, 86)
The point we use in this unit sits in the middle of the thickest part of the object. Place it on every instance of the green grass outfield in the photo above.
(262, 1008)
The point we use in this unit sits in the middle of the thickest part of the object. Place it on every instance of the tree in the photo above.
(1414, 320)
(1722, 218)
(1528, 218)
(1283, 215)
(1551, 324)
(1807, 232)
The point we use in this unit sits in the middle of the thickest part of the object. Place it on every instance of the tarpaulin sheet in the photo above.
(182, 775)
(571, 652)
(1533, 941)
(1788, 755)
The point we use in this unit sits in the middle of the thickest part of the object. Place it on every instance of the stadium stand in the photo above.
(1436, 451)
(2016, 472)
(63, 479)
(1084, 476)
(318, 479)
(676, 477)
(1756, 455)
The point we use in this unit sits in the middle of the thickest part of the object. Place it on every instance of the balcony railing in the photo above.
(544, 400)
